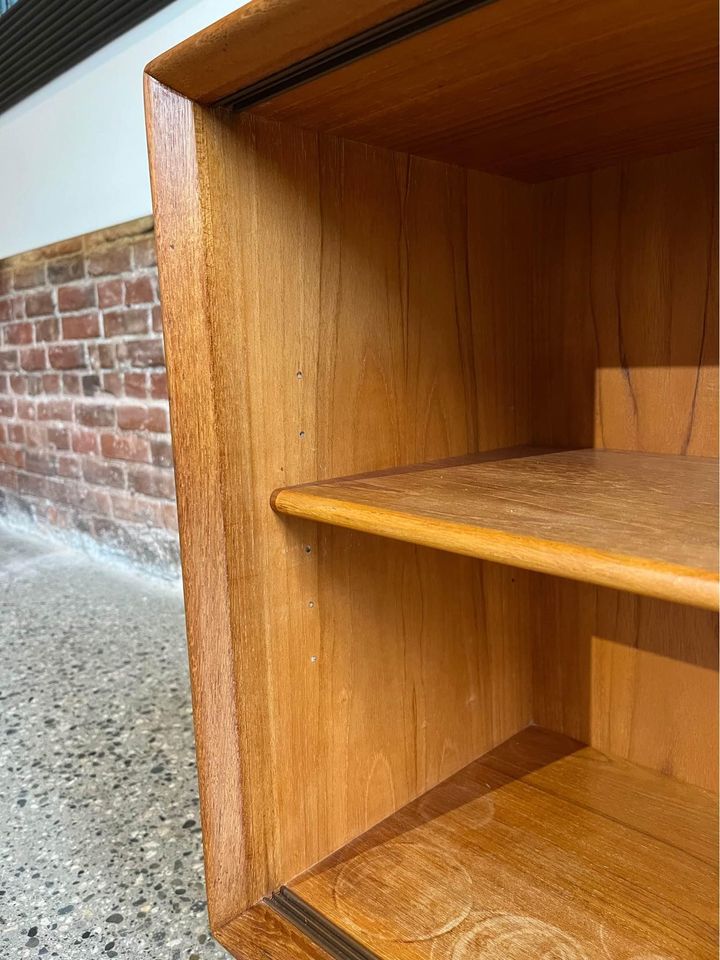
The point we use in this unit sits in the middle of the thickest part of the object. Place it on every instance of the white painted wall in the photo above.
(72, 155)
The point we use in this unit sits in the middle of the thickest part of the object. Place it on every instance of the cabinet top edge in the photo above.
(263, 38)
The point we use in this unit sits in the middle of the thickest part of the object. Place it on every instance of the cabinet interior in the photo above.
(388, 283)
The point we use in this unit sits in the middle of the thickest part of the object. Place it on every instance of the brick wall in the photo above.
(84, 442)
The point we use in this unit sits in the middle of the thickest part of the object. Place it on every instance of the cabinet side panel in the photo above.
(626, 358)
(175, 137)
(345, 317)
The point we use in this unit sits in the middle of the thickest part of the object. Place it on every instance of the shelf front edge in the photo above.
(606, 569)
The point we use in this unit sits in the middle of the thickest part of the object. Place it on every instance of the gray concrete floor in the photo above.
(100, 852)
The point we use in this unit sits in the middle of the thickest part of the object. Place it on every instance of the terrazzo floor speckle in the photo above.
(100, 851)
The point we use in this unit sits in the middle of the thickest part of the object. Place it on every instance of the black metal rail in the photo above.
(317, 927)
(429, 14)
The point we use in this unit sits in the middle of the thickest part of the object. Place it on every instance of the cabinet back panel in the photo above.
(625, 357)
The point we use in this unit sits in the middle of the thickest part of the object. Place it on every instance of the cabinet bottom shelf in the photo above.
(543, 848)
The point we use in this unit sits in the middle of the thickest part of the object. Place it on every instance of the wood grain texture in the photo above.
(261, 934)
(636, 677)
(639, 522)
(625, 356)
(262, 37)
(330, 292)
(542, 848)
(529, 89)
(625, 306)
(175, 145)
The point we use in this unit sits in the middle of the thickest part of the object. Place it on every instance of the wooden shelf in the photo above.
(542, 847)
(640, 522)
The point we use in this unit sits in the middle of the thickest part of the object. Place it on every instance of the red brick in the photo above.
(40, 461)
(154, 419)
(142, 353)
(109, 260)
(95, 415)
(91, 385)
(39, 304)
(96, 501)
(7, 407)
(112, 383)
(33, 358)
(78, 495)
(19, 333)
(128, 447)
(55, 410)
(70, 477)
(104, 473)
(26, 410)
(144, 251)
(128, 506)
(12, 456)
(110, 293)
(76, 297)
(85, 441)
(67, 356)
(23, 385)
(101, 355)
(35, 435)
(158, 385)
(65, 270)
(69, 466)
(161, 453)
(81, 326)
(19, 383)
(139, 290)
(136, 384)
(120, 323)
(47, 329)
(72, 384)
(151, 482)
(59, 438)
(131, 417)
(32, 485)
(32, 275)
(9, 359)
(158, 420)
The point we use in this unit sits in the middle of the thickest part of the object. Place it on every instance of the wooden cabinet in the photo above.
(439, 288)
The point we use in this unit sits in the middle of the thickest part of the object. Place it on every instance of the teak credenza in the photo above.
(439, 286)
